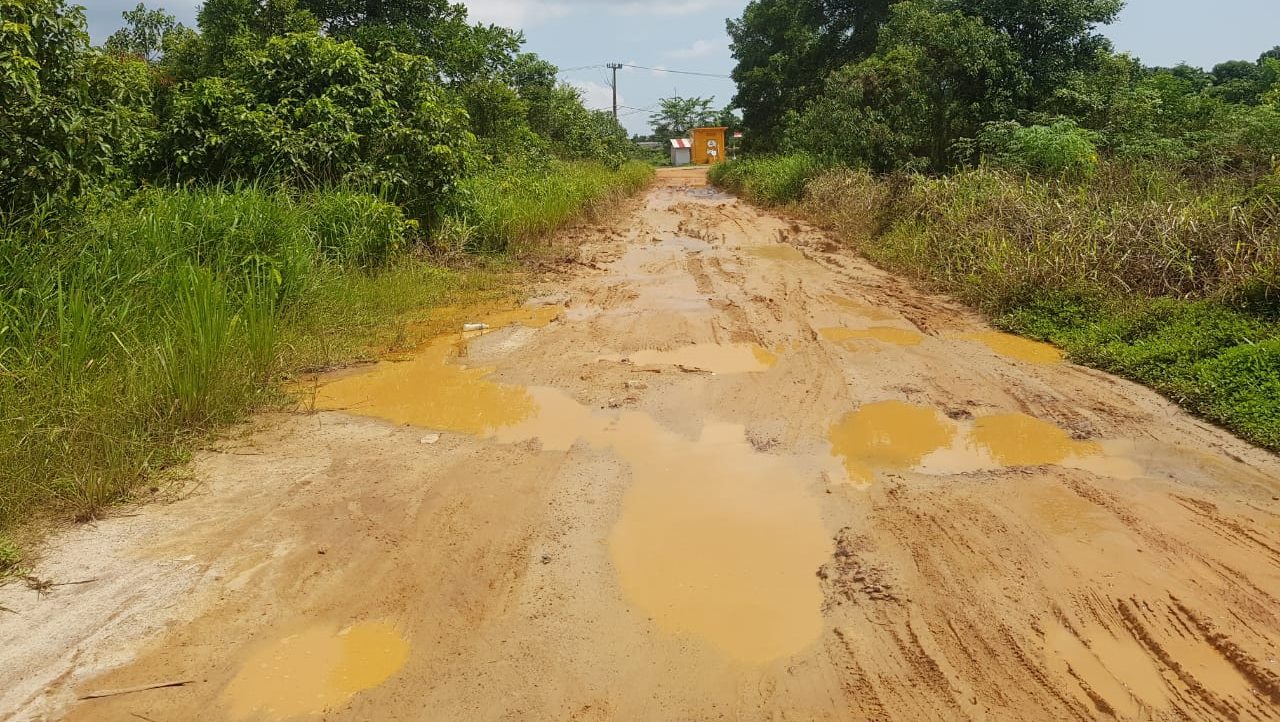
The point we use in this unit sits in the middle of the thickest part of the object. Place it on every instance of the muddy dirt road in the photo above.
(718, 471)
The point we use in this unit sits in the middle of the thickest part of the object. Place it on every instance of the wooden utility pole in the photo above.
(614, 67)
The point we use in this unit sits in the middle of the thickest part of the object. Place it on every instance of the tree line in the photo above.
(935, 85)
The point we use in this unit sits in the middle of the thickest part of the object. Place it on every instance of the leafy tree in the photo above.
(69, 116)
(438, 29)
(314, 110)
(786, 48)
(143, 34)
(677, 116)
(1052, 39)
(937, 77)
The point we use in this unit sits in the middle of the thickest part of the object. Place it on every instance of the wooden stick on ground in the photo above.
(141, 688)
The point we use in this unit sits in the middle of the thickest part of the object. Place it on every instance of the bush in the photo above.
(1062, 149)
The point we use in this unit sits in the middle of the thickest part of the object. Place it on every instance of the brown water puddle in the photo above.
(776, 253)
(867, 311)
(735, 358)
(1016, 347)
(896, 436)
(432, 392)
(849, 337)
(717, 540)
(888, 435)
(315, 671)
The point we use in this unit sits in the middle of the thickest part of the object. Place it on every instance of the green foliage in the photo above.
(1062, 149)
(935, 78)
(785, 49)
(153, 319)
(509, 207)
(316, 111)
(772, 180)
(68, 116)
(677, 116)
(143, 34)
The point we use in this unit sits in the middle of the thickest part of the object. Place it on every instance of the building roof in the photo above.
(681, 143)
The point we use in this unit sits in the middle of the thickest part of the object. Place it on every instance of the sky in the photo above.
(689, 35)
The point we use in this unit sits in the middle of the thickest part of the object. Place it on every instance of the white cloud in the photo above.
(699, 49)
(596, 96)
(516, 13)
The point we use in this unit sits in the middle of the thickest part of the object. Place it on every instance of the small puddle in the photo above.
(776, 253)
(1016, 347)
(737, 358)
(432, 392)
(888, 435)
(893, 435)
(849, 337)
(718, 541)
(315, 671)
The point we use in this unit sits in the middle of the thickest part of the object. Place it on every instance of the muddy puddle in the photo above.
(1016, 347)
(717, 541)
(315, 671)
(735, 358)
(897, 436)
(853, 338)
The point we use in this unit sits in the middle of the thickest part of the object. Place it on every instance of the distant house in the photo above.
(681, 151)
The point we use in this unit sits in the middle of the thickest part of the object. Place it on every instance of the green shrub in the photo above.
(1062, 149)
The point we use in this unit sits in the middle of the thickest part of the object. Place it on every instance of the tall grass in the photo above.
(1169, 280)
(135, 327)
(770, 180)
(506, 209)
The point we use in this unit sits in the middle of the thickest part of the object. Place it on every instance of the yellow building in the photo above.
(709, 146)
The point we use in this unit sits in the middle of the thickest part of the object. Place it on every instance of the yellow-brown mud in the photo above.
(749, 520)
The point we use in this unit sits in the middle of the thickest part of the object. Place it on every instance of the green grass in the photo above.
(1166, 280)
(769, 180)
(133, 330)
(511, 209)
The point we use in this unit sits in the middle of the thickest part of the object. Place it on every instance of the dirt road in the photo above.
(721, 470)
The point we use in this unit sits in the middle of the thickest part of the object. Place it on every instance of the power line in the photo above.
(677, 72)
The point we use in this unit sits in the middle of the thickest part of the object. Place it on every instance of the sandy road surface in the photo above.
(720, 472)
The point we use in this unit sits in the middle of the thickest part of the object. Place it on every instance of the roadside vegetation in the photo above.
(191, 216)
(1126, 213)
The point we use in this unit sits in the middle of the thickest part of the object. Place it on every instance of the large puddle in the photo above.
(1016, 347)
(897, 436)
(315, 671)
(717, 541)
(430, 391)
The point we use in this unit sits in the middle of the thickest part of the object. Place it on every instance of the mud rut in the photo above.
(721, 471)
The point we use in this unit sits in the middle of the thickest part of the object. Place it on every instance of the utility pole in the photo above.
(614, 67)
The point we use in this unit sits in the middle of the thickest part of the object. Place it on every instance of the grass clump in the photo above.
(770, 180)
(508, 208)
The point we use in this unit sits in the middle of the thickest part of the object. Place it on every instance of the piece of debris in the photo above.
(140, 688)
(475, 327)
(546, 559)
(430, 439)
(637, 385)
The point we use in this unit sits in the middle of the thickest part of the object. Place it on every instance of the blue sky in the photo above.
(689, 35)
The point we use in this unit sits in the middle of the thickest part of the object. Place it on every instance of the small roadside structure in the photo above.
(709, 145)
(681, 151)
